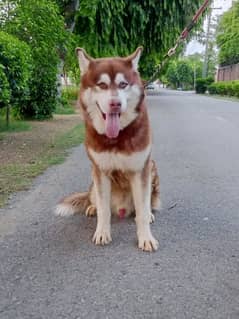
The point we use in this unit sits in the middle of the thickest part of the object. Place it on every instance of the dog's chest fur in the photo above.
(109, 161)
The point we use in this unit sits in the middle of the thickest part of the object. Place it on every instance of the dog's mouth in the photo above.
(112, 122)
(111, 113)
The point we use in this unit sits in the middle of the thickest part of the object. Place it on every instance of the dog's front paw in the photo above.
(147, 242)
(102, 236)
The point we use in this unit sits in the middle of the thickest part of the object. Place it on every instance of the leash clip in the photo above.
(172, 51)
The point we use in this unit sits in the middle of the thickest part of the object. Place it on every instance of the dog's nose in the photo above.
(115, 105)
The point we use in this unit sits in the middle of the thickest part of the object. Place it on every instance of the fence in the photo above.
(228, 73)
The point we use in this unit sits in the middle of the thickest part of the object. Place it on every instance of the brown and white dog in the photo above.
(118, 143)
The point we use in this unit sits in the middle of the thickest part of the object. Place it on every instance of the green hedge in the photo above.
(202, 84)
(39, 24)
(229, 88)
(15, 72)
(4, 88)
(15, 58)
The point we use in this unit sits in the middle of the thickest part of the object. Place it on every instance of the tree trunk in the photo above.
(8, 115)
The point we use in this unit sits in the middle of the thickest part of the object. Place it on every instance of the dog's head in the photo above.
(111, 91)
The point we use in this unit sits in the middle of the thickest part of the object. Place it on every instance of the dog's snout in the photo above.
(115, 105)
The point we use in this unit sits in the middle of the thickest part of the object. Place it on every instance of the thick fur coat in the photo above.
(118, 143)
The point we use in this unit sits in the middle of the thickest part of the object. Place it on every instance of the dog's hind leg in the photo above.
(77, 203)
(155, 189)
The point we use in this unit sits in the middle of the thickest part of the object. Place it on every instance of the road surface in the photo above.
(49, 268)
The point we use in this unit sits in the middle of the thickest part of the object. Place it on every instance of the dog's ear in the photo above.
(84, 60)
(134, 58)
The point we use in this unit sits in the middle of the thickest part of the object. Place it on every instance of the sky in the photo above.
(194, 46)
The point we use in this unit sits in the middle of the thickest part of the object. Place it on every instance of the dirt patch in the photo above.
(23, 147)
(24, 155)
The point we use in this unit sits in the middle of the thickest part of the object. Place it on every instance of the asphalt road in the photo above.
(49, 268)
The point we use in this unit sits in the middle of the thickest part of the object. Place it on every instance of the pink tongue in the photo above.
(112, 124)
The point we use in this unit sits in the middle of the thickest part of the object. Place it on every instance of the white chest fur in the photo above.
(117, 161)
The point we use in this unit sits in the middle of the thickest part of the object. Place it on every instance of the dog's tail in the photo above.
(76, 203)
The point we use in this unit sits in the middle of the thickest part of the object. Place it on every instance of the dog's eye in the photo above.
(122, 85)
(102, 85)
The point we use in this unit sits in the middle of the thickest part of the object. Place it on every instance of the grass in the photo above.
(14, 126)
(64, 109)
(16, 177)
(68, 97)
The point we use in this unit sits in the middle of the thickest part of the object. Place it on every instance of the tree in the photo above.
(40, 25)
(107, 27)
(67, 9)
(184, 74)
(196, 63)
(228, 36)
(171, 75)
(180, 73)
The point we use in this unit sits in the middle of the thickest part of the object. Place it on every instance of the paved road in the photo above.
(50, 269)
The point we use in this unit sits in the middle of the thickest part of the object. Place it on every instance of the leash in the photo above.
(179, 40)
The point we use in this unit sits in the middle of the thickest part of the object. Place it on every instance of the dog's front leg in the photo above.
(102, 185)
(141, 190)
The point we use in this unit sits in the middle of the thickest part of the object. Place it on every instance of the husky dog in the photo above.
(118, 143)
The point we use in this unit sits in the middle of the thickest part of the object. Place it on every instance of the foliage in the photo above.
(67, 8)
(71, 65)
(107, 27)
(69, 96)
(171, 75)
(70, 93)
(196, 63)
(4, 88)
(181, 73)
(228, 36)
(15, 58)
(212, 59)
(64, 106)
(103, 27)
(208, 39)
(40, 25)
(202, 84)
(184, 74)
(229, 88)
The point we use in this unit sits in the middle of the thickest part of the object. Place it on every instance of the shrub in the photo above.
(64, 106)
(202, 84)
(65, 103)
(39, 24)
(229, 88)
(236, 89)
(16, 59)
(212, 89)
(4, 88)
